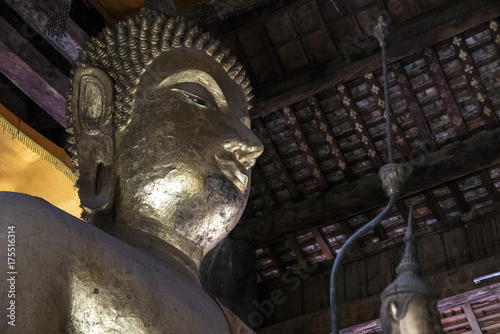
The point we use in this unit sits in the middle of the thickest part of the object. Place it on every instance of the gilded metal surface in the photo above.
(392, 178)
(164, 166)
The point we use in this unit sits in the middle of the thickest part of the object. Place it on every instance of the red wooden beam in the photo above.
(331, 142)
(297, 250)
(485, 106)
(449, 103)
(398, 139)
(270, 150)
(304, 148)
(418, 117)
(494, 28)
(359, 125)
(434, 205)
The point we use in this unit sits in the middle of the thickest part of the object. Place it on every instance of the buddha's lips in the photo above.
(233, 173)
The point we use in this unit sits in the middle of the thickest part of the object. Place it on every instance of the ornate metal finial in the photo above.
(392, 176)
(408, 271)
(381, 31)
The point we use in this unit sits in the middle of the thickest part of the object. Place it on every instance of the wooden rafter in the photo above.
(330, 140)
(275, 259)
(267, 195)
(398, 138)
(322, 243)
(434, 205)
(485, 106)
(449, 103)
(278, 67)
(69, 44)
(275, 159)
(348, 230)
(458, 196)
(297, 250)
(32, 84)
(418, 117)
(359, 125)
(471, 318)
(488, 184)
(306, 152)
(477, 153)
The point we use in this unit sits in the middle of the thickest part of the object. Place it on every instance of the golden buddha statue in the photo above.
(160, 138)
(408, 306)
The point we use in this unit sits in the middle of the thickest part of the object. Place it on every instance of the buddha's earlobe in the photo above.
(92, 106)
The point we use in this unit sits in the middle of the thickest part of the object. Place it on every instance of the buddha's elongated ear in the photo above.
(92, 108)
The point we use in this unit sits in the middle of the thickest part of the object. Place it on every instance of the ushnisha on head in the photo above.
(408, 305)
(159, 132)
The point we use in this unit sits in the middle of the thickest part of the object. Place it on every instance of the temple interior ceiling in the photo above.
(318, 108)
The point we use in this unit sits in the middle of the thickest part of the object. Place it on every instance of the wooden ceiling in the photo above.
(316, 72)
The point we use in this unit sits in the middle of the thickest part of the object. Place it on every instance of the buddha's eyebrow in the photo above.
(202, 78)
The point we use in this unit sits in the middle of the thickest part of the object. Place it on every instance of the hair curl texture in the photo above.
(125, 50)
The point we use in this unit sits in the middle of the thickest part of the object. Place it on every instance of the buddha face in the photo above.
(184, 158)
(421, 316)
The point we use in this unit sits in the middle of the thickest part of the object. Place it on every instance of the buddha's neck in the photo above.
(175, 250)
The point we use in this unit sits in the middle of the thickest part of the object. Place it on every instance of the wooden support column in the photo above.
(358, 124)
(32, 84)
(485, 106)
(412, 102)
(322, 243)
(398, 138)
(331, 142)
(69, 44)
(449, 103)
(471, 318)
(305, 150)
(275, 159)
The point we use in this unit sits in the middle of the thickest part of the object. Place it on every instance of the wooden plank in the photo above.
(456, 247)
(355, 280)
(322, 243)
(34, 59)
(69, 44)
(32, 84)
(447, 164)
(471, 318)
(408, 40)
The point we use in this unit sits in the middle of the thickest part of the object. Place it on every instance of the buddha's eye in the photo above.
(196, 99)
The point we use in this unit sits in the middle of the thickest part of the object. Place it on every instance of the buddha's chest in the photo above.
(118, 300)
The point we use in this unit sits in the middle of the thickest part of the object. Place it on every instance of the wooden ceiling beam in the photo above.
(458, 196)
(398, 138)
(326, 130)
(359, 125)
(297, 250)
(410, 98)
(447, 164)
(305, 150)
(68, 45)
(471, 318)
(278, 166)
(484, 103)
(409, 39)
(320, 239)
(32, 84)
(489, 185)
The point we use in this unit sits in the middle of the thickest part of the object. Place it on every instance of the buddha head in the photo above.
(408, 306)
(160, 134)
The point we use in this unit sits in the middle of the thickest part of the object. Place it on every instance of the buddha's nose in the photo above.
(245, 150)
